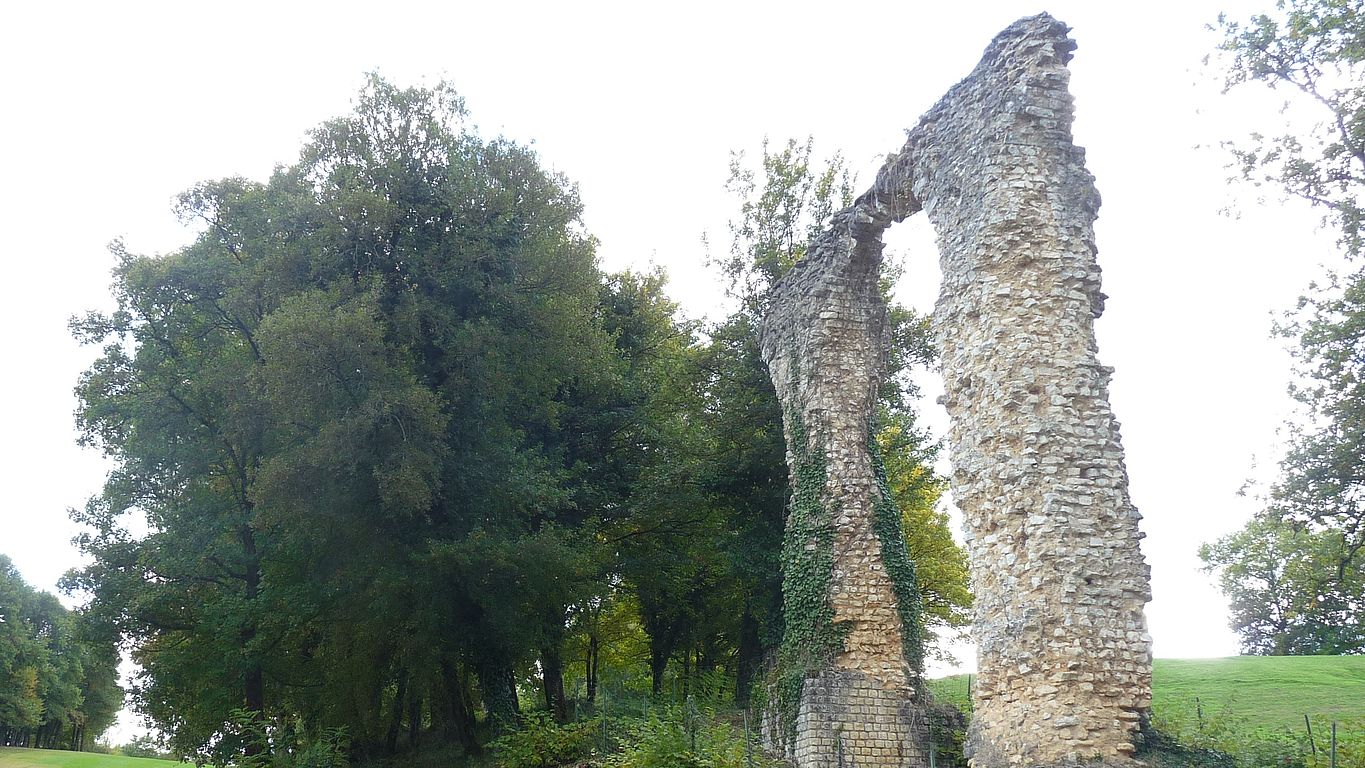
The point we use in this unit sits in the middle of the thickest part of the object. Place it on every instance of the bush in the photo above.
(674, 736)
(948, 733)
(685, 737)
(1185, 734)
(251, 741)
(1350, 743)
(145, 745)
(541, 742)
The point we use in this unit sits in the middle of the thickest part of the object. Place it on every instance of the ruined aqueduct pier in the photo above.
(1064, 658)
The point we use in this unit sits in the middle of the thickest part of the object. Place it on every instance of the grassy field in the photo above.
(14, 757)
(1264, 691)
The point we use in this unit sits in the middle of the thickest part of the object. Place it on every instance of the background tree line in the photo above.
(410, 463)
(58, 670)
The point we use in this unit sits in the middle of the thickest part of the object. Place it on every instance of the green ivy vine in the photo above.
(810, 639)
(886, 521)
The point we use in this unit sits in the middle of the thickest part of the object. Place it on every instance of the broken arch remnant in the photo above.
(1064, 658)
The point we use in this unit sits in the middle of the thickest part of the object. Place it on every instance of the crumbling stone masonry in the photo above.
(1064, 658)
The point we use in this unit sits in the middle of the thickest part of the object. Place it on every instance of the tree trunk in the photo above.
(458, 708)
(396, 721)
(591, 671)
(750, 657)
(499, 686)
(552, 681)
(414, 720)
(253, 682)
(658, 662)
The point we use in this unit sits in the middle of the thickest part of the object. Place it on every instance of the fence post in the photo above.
(690, 717)
(748, 745)
(1309, 726)
(1334, 744)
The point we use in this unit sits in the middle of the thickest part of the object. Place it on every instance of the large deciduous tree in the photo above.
(1314, 52)
(1285, 594)
(353, 415)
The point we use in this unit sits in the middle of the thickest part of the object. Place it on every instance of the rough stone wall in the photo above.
(824, 342)
(1064, 658)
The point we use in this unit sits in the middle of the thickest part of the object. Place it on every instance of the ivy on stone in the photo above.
(811, 638)
(886, 522)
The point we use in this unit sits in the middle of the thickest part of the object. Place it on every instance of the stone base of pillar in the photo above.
(981, 753)
(850, 720)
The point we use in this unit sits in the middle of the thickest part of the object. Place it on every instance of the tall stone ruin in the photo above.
(1064, 658)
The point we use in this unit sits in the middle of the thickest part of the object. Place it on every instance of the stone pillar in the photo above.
(1064, 658)
(846, 693)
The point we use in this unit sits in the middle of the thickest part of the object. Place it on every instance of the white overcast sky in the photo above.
(109, 109)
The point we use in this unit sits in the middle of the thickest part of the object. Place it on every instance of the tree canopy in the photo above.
(1314, 524)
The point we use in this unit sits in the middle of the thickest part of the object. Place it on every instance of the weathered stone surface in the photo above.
(1064, 657)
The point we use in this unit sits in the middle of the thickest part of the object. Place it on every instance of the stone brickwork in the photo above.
(858, 720)
(1064, 658)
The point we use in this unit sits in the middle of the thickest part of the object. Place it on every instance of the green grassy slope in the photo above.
(1264, 691)
(14, 757)
(1270, 691)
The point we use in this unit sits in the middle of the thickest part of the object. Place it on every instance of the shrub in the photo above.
(542, 743)
(686, 737)
(1350, 743)
(1185, 734)
(145, 745)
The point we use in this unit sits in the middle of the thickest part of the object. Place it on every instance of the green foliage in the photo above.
(58, 670)
(886, 522)
(541, 742)
(1315, 49)
(1350, 743)
(266, 744)
(1218, 737)
(368, 417)
(146, 745)
(810, 637)
(686, 737)
(940, 564)
(782, 205)
(670, 736)
(1284, 589)
(947, 726)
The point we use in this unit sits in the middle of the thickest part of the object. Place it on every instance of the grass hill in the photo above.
(1261, 691)
(16, 757)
